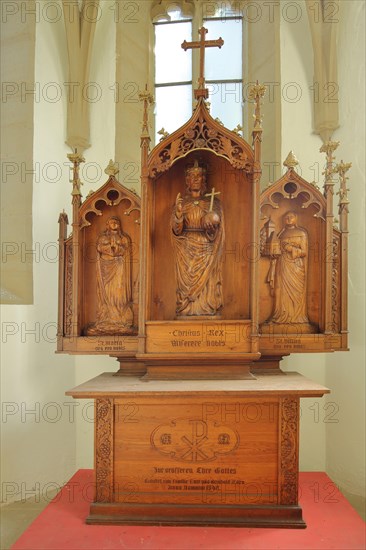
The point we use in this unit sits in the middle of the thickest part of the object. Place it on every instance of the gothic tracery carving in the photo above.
(201, 132)
(292, 186)
(111, 194)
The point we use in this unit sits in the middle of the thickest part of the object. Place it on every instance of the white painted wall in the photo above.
(345, 373)
(38, 430)
(102, 135)
(134, 70)
(297, 135)
(333, 428)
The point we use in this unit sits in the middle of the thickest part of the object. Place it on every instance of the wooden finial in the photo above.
(291, 161)
(256, 93)
(112, 169)
(76, 160)
(342, 168)
(63, 217)
(328, 148)
(163, 133)
(148, 99)
(238, 129)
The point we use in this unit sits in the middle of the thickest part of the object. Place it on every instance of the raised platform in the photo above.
(332, 524)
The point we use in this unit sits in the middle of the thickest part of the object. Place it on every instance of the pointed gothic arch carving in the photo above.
(201, 132)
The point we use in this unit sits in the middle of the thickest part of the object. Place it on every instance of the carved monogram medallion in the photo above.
(194, 440)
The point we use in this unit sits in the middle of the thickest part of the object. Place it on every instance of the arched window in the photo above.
(176, 71)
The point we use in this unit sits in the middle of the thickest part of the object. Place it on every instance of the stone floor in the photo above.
(17, 516)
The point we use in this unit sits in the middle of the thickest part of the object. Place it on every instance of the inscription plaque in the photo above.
(199, 336)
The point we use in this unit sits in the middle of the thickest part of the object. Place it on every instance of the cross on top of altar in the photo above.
(202, 44)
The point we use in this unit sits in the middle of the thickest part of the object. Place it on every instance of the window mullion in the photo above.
(196, 25)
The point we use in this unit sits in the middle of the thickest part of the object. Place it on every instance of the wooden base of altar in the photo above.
(205, 452)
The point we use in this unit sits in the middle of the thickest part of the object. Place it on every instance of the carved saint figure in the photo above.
(198, 238)
(288, 274)
(114, 312)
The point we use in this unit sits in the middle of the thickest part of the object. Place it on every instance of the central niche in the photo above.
(228, 227)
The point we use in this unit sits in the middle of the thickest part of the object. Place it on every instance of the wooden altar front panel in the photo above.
(197, 453)
(188, 450)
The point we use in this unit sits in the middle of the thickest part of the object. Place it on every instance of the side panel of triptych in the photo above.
(291, 271)
(109, 281)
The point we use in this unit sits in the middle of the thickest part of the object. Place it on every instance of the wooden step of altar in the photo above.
(206, 452)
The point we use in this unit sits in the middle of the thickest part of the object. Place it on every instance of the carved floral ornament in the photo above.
(104, 454)
(288, 461)
(201, 132)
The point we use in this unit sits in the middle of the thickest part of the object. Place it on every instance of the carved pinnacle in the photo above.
(291, 161)
(112, 168)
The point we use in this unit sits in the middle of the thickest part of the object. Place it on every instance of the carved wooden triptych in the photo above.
(209, 269)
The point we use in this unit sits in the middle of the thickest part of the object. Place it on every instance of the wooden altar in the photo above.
(199, 292)
(197, 452)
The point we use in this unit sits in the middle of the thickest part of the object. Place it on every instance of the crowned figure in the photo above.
(198, 238)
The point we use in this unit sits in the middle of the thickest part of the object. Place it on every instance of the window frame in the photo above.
(197, 21)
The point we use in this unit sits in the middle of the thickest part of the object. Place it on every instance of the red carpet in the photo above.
(332, 523)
